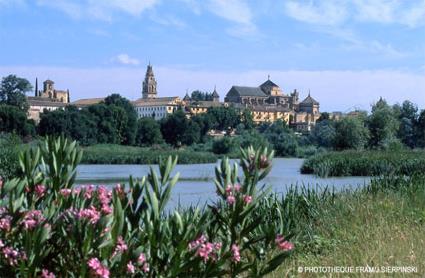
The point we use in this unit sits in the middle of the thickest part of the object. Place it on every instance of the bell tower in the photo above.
(149, 84)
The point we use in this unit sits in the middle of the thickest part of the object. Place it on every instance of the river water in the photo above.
(196, 184)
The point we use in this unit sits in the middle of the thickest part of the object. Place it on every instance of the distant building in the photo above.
(150, 105)
(149, 84)
(85, 102)
(48, 99)
(269, 103)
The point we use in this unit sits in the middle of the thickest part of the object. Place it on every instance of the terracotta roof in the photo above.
(87, 101)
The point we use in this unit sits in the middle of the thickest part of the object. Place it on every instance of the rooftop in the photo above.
(249, 91)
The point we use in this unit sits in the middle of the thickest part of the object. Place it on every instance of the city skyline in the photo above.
(348, 54)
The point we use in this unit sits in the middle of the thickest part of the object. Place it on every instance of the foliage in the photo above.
(223, 145)
(50, 227)
(70, 122)
(14, 120)
(282, 138)
(224, 118)
(382, 124)
(177, 130)
(9, 150)
(201, 96)
(324, 133)
(365, 163)
(117, 154)
(148, 132)
(12, 91)
(350, 133)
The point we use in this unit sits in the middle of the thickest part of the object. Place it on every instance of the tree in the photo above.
(130, 125)
(224, 118)
(201, 96)
(407, 114)
(282, 138)
(148, 132)
(223, 145)
(12, 91)
(323, 134)
(350, 133)
(177, 130)
(14, 120)
(383, 124)
(420, 130)
(77, 124)
(247, 119)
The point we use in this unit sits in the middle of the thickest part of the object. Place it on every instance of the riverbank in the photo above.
(118, 154)
(365, 163)
(380, 225)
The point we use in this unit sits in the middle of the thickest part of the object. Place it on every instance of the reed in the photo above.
(365, 163)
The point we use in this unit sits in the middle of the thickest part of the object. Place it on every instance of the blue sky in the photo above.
(347, 53)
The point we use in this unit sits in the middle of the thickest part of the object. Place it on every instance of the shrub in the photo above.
(365, 163)
(48, 226)
(9, 163)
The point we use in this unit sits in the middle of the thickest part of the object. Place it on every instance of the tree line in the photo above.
(115, 121)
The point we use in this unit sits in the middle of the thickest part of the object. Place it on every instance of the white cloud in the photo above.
(168, 20)
(125, 59)
(317, 12)
(336, 13)
(99, 9)
(238, 12)
(335, 90)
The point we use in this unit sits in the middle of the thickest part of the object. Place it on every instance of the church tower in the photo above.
(149, 85)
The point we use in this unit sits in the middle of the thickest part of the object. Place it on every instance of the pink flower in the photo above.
(283, 244)
(141, 259)
(120, 191)
(65, 192)
(32, 219)
(247, 199)
(5, 223)
(91, 214)
(145, 268)
(12, 255)
(46, 274)
(104, 195)
(40, 190)
(236, 256)
(205, 250)
(88, 191)
(237, 187)
(130, 267)
(121, 247)
(106, 209)
(97, 269)
(229, 189)
(1, 183)
(230, 200)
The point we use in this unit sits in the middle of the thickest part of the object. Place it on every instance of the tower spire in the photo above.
(36, 87)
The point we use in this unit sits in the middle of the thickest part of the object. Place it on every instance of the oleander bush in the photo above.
(49, 227)
(365, 163)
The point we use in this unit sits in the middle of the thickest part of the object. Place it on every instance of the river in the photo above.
(196, 184)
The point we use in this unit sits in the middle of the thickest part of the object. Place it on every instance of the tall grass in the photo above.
(381, 224)
(117, 154)
(365, 163)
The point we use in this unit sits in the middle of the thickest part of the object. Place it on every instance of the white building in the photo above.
(156, 108)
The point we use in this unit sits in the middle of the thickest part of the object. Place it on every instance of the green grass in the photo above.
(365, 163)
(381, 225)
(118, 154)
